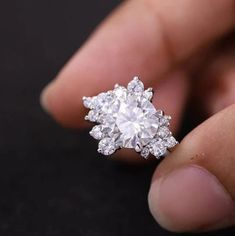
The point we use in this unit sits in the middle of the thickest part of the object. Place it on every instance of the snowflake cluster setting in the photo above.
(126, 118)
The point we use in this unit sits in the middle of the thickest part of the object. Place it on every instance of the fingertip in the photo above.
(44, 99)
(190, 199)
(56, 103)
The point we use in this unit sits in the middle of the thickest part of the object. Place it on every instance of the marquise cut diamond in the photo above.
(127, 118)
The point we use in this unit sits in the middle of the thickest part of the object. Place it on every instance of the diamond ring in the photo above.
(126, 118)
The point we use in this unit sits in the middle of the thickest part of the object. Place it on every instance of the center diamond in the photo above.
(136, 122)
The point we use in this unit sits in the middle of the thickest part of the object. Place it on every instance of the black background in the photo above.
(52, 181)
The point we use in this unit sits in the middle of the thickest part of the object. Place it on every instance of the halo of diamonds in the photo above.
(126, 118)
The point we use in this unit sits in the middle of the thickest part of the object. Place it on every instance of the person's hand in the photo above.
(193, 189)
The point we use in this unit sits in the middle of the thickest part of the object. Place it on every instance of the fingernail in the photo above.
(189, 199)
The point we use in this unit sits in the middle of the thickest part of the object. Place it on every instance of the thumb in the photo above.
(193, 189)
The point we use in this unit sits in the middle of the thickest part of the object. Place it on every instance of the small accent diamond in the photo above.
(96, 132)
(148, 94)
(163, 132)
(87, 101)
(164, 120)
(158, 148)
(106, 146)
(171, 142)
(145, 152)
(135, 85)
(92, 116)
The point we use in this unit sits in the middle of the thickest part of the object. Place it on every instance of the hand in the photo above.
(165, 42)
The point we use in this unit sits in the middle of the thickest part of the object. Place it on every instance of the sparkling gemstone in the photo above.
(163, 132)
(148, 94)
(106, 146)
(120, 92)
(92, 116)
(145, 152)
(101, 100)
(136, 122)
(158, 148)
(164, 120)
(96, 132)
(171, 142)
(136, 85)
(159, 113)
(87, 102)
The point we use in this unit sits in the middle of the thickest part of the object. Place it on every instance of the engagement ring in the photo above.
(126, 118)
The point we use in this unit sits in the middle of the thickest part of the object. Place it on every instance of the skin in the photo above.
(175, 47)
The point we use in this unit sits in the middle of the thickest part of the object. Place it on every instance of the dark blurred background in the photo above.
(52, 180)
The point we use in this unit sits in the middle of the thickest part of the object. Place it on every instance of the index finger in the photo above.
(142, 37)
